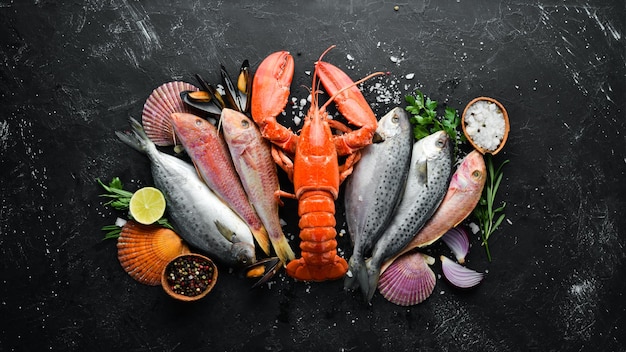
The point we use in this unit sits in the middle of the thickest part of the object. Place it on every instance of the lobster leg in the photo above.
(269, 97)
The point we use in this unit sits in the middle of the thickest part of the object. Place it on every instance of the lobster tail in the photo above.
(319, 259)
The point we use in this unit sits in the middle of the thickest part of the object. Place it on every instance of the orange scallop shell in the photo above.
(506, 126)
(162, 102)
(145, 250)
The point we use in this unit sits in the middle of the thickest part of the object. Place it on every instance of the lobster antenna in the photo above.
(315, 90)
(354, 84)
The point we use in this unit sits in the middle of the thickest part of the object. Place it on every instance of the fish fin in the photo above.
(247, 157)
(373, 274)
(282, 248)
(358, 274)
(226, 232)
(137, 139)
(262, 238)
(422, 171)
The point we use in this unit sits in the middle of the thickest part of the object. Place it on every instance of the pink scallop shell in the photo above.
(408, 280)
(157, 109)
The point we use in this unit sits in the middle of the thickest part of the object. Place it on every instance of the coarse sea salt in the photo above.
(485, 125)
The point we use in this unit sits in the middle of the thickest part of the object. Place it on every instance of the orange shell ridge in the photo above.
(145, 250)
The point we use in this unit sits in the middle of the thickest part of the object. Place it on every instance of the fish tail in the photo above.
(262, 238)
(138, 139)
(358, 277)
(373, 274)
(282, 248)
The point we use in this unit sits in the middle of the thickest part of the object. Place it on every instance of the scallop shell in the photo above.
(506, 126)
(408, 280)
(145, 250)
(157, 109)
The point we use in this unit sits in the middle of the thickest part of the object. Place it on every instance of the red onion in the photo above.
(458, 275)
(456, 238)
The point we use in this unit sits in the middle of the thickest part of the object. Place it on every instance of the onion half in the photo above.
(457, 240)
(458, 275)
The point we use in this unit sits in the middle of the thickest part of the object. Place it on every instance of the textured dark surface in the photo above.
(72, 73)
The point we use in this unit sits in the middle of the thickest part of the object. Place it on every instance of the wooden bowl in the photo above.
(482, 150)
(180, 278)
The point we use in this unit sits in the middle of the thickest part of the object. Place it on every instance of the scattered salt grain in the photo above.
(410, 76)
(350, 57)
(393, 58)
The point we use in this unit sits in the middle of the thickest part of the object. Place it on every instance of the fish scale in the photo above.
(427, 182)
(373, 190)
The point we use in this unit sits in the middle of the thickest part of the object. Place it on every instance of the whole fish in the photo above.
(464, 191)
(374, 189)
(209, 153)
(252, 157)
(201, 218)
(427, 182)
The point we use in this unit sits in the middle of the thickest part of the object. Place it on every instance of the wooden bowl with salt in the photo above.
(485, 123)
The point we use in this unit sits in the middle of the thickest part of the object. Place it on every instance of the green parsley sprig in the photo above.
(488, 217)
(120, 200)
(425, 120)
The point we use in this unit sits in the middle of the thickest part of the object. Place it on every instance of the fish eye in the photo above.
(477, 174)
(440, 143)
(245, 123)
(198, 122)
(395, 119)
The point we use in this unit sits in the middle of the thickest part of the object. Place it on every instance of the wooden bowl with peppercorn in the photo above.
(189, 277)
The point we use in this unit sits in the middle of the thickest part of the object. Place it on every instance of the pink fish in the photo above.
(252, 156)
(209, 153)
(466, 186)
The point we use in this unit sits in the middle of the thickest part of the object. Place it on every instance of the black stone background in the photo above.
(73, 72)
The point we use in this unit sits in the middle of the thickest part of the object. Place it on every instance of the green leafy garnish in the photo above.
(119, 197)
(425, 120)
(120, 200)
(485, 213)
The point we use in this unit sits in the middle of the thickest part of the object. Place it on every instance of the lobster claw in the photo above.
(265, 269)
(270, 95)
(351, 104)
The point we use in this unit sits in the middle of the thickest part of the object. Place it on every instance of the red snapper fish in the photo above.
(252, 157)
(209, 153)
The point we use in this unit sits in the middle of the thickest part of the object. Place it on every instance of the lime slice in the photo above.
(147, 205)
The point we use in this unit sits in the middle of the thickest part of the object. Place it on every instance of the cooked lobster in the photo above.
(311, 159)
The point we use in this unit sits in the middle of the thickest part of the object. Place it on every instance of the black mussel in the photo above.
(264, 268)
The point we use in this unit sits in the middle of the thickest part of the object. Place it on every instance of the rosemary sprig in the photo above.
(120, 200)
(488, 217)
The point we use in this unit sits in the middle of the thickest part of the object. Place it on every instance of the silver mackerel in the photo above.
(200, 217)
(374, 189)
(427, 182)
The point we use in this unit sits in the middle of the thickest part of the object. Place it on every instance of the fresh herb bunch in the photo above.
(485, 213)
(425, 121)
(120, 200)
